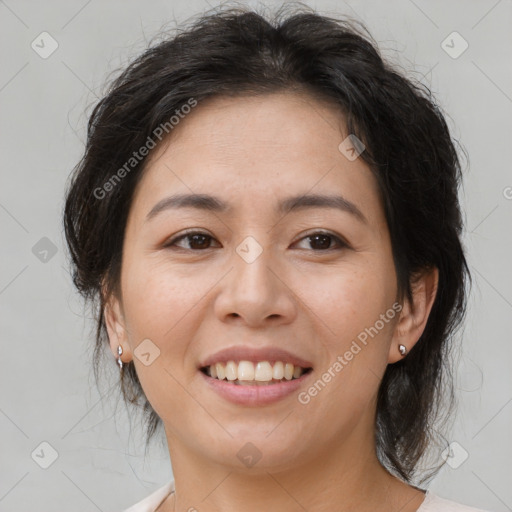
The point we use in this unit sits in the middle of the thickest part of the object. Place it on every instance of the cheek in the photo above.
(156, 298)
(347, 307)
(346, 300)
(159, 306)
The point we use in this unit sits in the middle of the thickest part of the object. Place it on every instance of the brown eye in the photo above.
(197, 241)
(324, 241)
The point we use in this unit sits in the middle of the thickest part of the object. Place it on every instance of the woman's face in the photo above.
(255, 280)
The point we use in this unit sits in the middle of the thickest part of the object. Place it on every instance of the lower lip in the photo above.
(254, 395)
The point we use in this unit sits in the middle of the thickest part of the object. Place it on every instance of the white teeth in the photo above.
(278, 370)
(219, 367)
(246, 372)
(288, 371)
(231, 371)
(263, 371)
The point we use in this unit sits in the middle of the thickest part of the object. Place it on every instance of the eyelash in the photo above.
(340, 242)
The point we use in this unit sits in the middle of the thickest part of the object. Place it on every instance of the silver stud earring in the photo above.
(402, 349)
(119, 351)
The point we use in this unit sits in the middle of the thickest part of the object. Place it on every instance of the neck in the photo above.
(344, 478)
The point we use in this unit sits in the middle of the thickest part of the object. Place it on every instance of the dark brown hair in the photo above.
(408, 148)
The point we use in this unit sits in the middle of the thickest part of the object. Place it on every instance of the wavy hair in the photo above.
(409, 149)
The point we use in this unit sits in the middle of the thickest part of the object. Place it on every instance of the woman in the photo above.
(267, 214)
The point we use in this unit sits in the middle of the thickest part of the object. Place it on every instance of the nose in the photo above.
(256, 292)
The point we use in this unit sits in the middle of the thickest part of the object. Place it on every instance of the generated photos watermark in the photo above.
(143, 151)
(304, 397)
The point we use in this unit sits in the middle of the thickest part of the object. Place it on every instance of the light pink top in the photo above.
(431, 503)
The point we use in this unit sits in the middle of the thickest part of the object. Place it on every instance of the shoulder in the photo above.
(150, 503)
(435, 503)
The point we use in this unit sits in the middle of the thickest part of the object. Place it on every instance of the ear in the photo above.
(414, 316)
(116, 328)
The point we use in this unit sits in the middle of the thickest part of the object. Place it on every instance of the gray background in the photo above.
(46, 383)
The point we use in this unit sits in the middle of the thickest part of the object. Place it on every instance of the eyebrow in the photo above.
(299, 202)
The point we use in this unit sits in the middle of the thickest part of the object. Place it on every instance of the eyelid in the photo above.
(188, 232)
(341, 241)
(318, 231)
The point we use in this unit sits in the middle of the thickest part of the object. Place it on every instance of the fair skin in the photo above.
(191, 302)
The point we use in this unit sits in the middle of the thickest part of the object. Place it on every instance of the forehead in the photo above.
(253, 148)
(279, 125)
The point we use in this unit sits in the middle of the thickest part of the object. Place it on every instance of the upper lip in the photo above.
(246, 353)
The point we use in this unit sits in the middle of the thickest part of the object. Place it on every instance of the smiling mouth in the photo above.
(246, 373)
